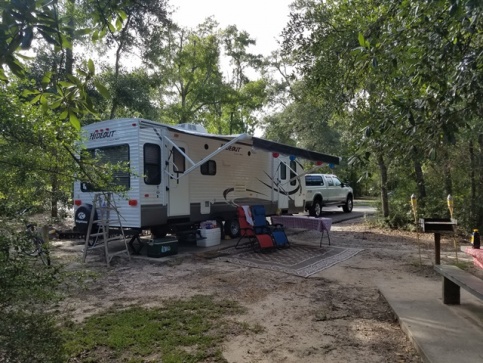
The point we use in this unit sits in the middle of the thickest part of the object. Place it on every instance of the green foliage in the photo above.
(181, 331)
(30, 336)
(36, 168)
(403, 79)
(27, 287)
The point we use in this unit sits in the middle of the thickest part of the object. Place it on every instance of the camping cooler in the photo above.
(160, 247)
(210, 237)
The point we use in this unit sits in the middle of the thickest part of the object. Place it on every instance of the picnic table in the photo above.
(321, 225)
(477, 255)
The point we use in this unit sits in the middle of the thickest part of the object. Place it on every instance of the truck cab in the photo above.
(327, 190)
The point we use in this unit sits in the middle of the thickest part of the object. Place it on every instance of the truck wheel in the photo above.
(232, 228)
(316, 209)
(349, 204)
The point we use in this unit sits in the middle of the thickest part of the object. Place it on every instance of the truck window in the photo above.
(314, 180)
(337, 182)
(152, 164)
(115, 156)
(178, 161)
(208, 168)
(293, 174)
(330, 182)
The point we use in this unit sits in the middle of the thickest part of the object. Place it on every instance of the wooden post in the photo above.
(451, 292)
(437, 248)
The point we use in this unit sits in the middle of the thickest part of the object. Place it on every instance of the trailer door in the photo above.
(178, 189)
(282, 185)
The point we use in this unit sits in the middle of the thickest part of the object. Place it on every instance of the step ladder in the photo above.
(102, 205)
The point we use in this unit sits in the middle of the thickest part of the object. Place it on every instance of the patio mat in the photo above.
(300, 260)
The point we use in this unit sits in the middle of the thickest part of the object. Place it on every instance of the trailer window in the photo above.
(208, 168)
(116, 156)
(179, 165)
(283, 171)
(152, 164)
(293, 169)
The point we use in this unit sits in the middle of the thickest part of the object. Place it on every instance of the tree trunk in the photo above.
(479, 184)
(69, 52)
(473, 206)
(54, 209)
(117, 66)
(419, 176)
(384, 197)
(69, 69)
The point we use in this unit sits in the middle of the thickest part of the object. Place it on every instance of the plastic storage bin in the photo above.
(160, 247)
(210, 237)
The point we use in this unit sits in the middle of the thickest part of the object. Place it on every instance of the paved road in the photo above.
(338, 215)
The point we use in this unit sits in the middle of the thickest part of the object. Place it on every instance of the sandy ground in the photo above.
(336, 315)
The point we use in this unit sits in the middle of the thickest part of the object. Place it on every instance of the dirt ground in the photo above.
(336, 315)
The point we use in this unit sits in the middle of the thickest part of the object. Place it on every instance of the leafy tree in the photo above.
(31, 154)
(398, 71)
(139, 23)
(187, 63)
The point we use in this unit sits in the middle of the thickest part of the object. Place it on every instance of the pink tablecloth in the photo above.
(318, 224)
(477, 254)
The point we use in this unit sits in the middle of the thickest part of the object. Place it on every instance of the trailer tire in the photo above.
(159, 231)
(82, 217)
(232, 228)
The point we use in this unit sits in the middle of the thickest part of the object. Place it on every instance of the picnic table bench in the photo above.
(453, 279)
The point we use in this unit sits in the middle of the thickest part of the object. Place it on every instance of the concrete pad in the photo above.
(441, 333)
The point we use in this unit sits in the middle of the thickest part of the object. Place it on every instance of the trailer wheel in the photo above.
(159, 231)
(232, 228)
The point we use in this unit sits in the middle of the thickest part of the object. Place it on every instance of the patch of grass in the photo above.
(463, 265)
(180, 331)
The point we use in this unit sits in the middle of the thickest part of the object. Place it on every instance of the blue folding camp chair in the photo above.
(261, 225)
(262, 240)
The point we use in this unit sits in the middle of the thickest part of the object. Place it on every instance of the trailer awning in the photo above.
(272, 146)
(263, 144)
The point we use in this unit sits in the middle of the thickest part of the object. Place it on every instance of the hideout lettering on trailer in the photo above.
(101, 134)
(235, 149)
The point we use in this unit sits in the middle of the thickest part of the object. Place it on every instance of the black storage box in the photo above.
(160, 247)
(438, 225)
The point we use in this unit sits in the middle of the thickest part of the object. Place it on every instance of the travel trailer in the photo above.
(181, 175)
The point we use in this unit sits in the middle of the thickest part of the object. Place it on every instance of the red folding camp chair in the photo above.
(261, 240)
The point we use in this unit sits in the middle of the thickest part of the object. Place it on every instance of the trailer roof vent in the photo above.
(192, 127)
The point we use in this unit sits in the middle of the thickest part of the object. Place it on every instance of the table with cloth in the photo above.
(477, 254)
(305, 222)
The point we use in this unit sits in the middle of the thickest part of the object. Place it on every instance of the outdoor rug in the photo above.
(300, 260)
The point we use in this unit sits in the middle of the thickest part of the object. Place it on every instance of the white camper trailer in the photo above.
(183, 175)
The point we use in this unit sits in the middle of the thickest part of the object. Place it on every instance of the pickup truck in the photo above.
(324, 190)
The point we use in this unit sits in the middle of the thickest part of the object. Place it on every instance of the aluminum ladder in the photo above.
(102, 206)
